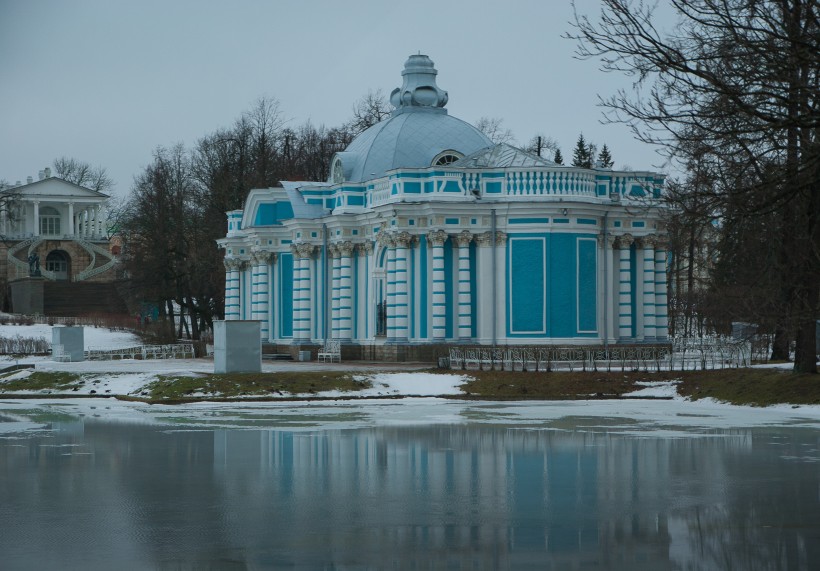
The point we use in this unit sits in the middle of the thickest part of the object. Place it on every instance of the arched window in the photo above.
(446, 157)
(49, 221)
(57, 262)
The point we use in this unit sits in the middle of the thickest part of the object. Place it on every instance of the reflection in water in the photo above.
(87, 494)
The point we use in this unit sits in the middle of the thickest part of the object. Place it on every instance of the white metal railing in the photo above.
(723, 354)
(173, 351)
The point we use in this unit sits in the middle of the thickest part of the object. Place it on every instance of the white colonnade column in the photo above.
(335, 261)
(436, 240)
(36, 217)
(301, 293)
(403, 242)
(661, 302)
(612, 278)
(260, 288)
(465, 305)
(232, 297)
(345, 250)
(70, 217)
(388, 241)
(624, 288)
(648, 278)
(366, 308)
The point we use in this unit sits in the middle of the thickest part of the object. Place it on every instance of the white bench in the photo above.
(331, 350)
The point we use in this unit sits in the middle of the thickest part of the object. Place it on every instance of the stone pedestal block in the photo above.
(27, 295)
(237, 346)
(71, 339)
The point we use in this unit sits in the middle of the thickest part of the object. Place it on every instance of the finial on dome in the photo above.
(419, 88)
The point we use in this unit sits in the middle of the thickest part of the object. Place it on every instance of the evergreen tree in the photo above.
(581, 155)
(605, 158)
(558, 158)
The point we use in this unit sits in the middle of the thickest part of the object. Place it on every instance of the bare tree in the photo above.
(494, 128)
(542, 145)
(740, 80)
(369, 110)
(83, 174)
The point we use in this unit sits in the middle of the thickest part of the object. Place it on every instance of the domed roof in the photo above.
(418, 131)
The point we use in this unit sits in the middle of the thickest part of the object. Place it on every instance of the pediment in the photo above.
(54, 187)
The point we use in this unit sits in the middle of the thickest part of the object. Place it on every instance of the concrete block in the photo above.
(27, 295)
(237, 346)
(72, 340)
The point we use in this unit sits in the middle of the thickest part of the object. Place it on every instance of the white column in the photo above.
(648, 244)
(364, 291)
(36, 217)
(484, 285)
(70, 218)
(346, 291)
(232, 298)
(402, 275)
(336, 261)
(610, 287)
(624, 289)
(390, 243)
(301, 289)
(259, 307)
(464, 307)
(97, 223)
(661, 302)
(437, 239)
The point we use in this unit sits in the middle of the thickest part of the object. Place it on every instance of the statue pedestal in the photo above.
(27, 295)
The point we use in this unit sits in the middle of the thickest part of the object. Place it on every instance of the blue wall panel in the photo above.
(286, 294)
(527, 275)
(587, 285)
(562, 285)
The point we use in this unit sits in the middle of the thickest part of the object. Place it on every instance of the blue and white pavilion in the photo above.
(428, 233)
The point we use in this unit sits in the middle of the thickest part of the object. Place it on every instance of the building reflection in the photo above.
(570, 496)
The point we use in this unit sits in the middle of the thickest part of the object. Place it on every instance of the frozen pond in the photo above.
(413, 484)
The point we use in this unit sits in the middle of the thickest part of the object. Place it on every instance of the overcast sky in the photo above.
(107, 81)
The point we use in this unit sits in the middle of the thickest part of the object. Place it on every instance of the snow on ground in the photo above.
(93, 337)
(656, 389)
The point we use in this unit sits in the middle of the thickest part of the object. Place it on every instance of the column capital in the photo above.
(484, 239)
(303, 250)
(437, 237)
(662, 242)
(234, 264)
(625, 241)
(346, 248)
(500, 238)
(260, 257)
(463, 238)
(404, 239)
(364, 248)
(386, 239)
(333, 250)
(649, 241)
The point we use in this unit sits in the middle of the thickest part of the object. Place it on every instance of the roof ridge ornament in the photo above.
(419, 88)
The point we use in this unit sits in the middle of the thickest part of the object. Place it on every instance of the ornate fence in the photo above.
(175, 351)
(680, 355)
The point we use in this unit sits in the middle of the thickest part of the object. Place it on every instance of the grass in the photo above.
(757, 387)
(43, 380)
(250, 384)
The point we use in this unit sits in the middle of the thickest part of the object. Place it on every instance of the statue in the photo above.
(34, 265)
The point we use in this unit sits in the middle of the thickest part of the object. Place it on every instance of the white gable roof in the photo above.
(56, 188)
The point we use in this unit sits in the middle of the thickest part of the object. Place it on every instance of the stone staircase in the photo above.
(72, 299)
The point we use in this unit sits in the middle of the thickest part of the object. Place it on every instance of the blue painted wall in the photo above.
(587, 285)
(527, 285)
(285, 294)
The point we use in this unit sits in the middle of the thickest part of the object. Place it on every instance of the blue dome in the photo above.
(418, 131)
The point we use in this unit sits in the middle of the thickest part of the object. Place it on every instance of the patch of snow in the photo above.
(656, 389)
(95, 337)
